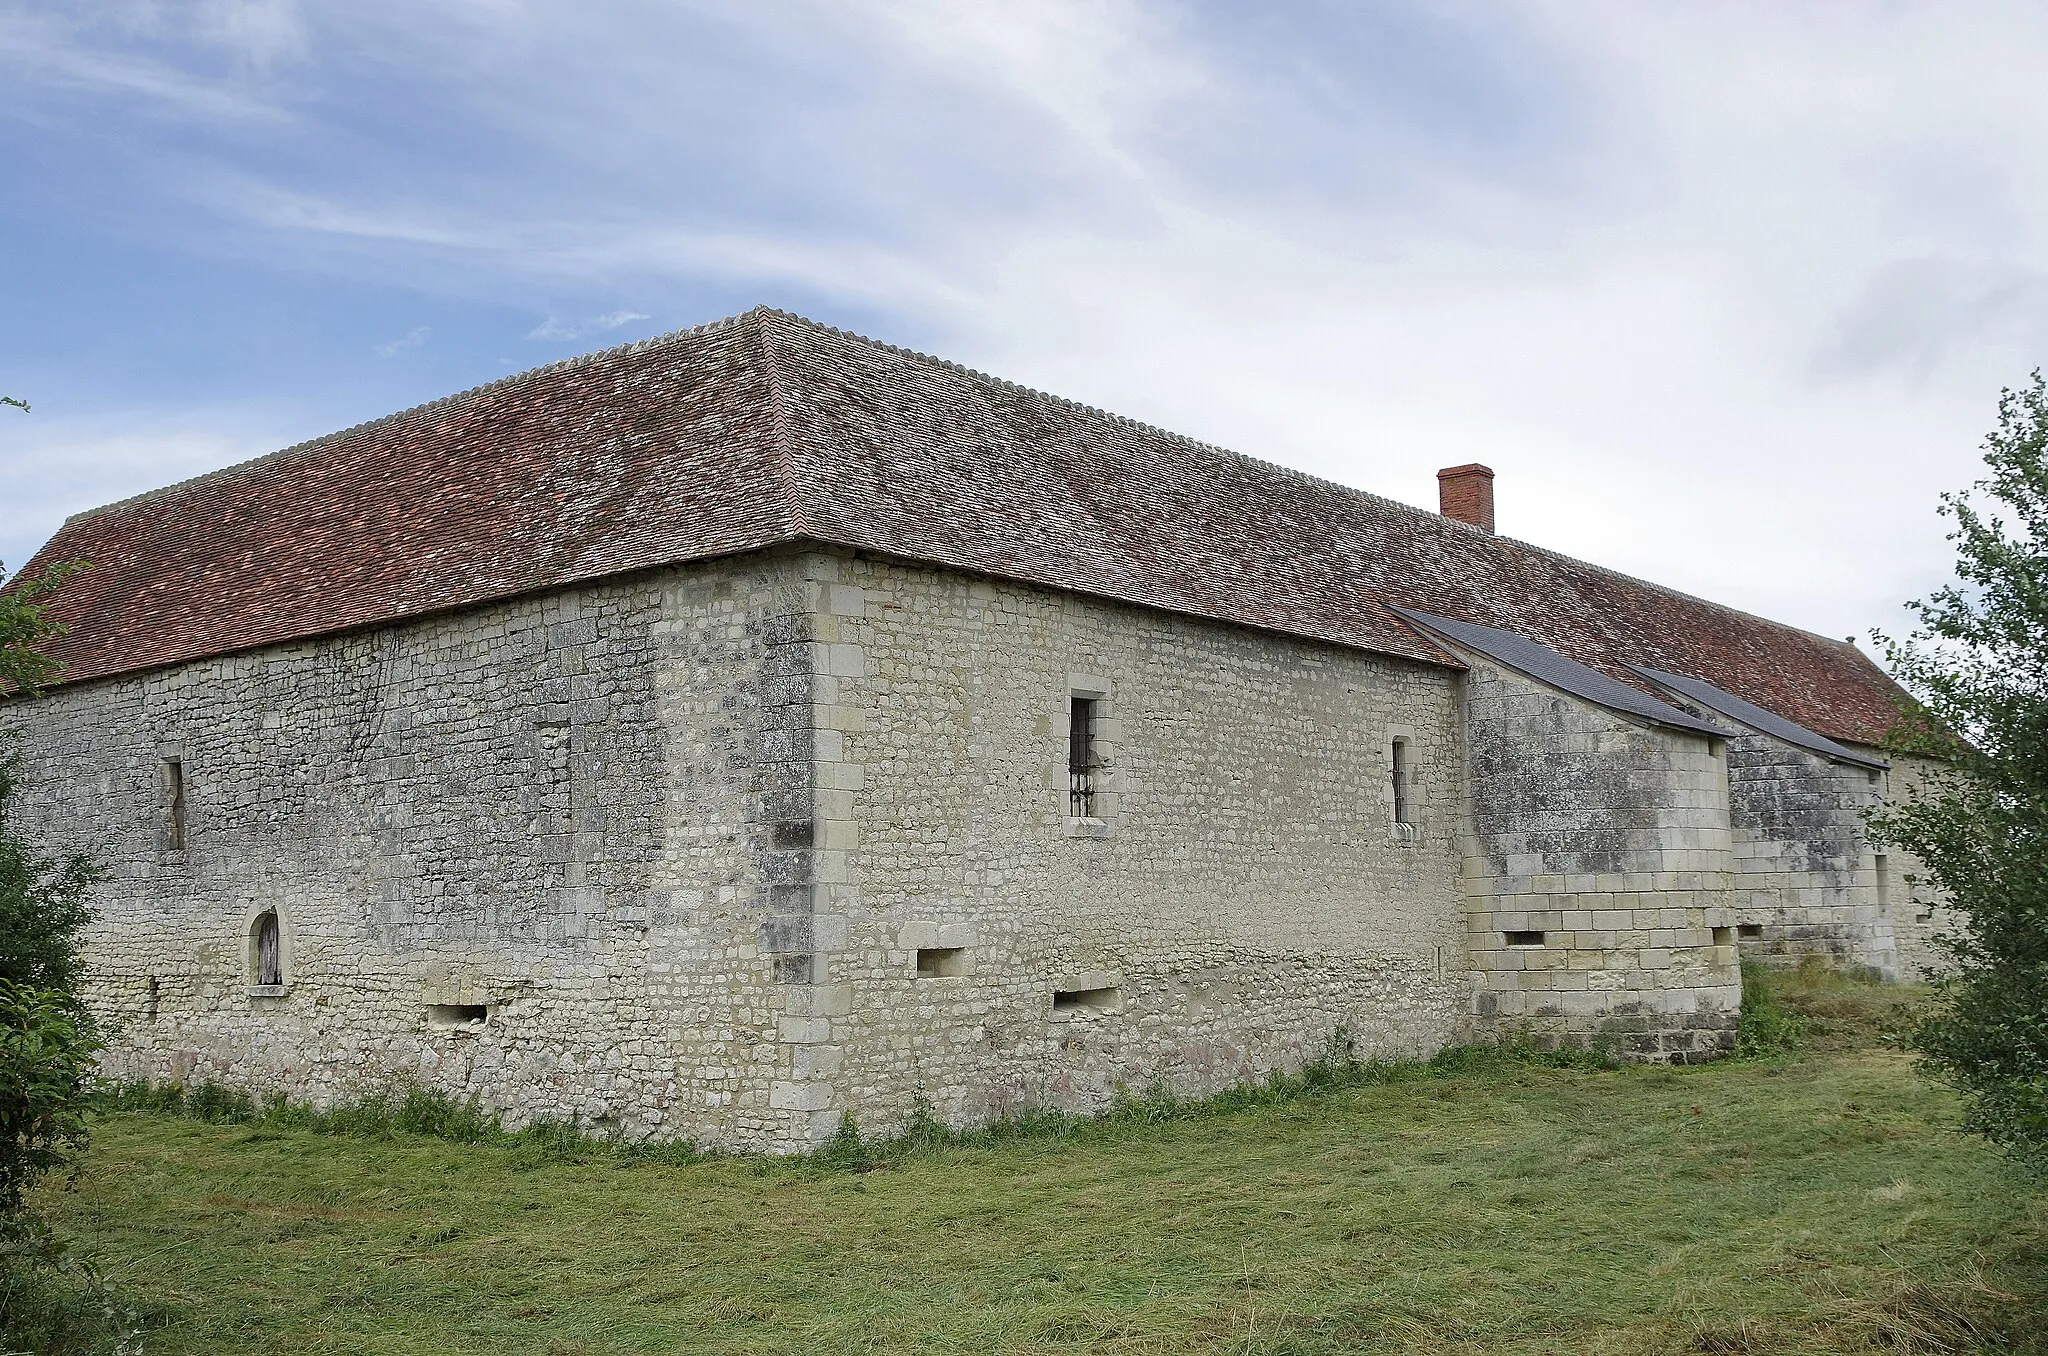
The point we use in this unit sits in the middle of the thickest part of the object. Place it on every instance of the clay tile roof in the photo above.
(767, 428)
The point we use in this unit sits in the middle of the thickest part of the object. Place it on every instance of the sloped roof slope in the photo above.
(1568, 675)
(766, 428)
(1734, 708)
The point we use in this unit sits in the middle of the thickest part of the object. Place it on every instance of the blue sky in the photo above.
(1725, 294)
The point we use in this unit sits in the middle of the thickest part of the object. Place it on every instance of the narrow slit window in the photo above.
(173, 771)
(1524, 938)
(1884, 884)
(268, 969)
(1081, 759)
(1403, 812)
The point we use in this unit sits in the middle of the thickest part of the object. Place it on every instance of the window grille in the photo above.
(1081, 760)
(1403, 812)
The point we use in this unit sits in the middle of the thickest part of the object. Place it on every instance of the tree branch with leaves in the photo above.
(1976, 666)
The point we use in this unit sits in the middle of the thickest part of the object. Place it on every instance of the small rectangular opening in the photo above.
(1402, 812)
(456, 1014)
(1081, 758)
(1528, 937)
(1080, 1000)
(941, 962)
(1749, 932)
(1724, 936)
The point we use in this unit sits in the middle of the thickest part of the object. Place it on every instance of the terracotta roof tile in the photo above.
(766, 428)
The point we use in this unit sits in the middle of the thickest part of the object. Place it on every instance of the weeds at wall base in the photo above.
(1775, 1023)
(413, 1111)
(430, 1114)
(1768, 1030)
(1337, 1069)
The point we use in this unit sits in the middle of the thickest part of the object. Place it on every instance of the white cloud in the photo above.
(551, 328)
(1725, 294)
(46, 54)
(260, 33)
(52, 466)
(411, 339)
(1913, 315)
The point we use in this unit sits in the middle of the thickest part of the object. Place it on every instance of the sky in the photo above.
(1724, 294)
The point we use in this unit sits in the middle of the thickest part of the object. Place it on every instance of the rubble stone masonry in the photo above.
(553, 813)
(1243, 895)
(734, 850)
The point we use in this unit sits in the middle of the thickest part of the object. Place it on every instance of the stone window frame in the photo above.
(251, 973)
(1106, 743)
(1398, 830)
(171, 801)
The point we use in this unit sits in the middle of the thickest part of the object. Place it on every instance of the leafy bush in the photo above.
(43, 900)
(46, 1058)
(1766, 1028)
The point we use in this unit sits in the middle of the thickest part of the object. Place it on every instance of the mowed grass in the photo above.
(1820, 1204)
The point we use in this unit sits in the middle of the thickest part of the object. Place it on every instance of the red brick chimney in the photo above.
(1466, 493)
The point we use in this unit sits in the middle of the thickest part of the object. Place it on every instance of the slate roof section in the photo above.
(1756, 718)
(1567, 675)
(766, 428)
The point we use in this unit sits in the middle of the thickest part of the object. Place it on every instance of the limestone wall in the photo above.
(1806, 879)
(560, 810)
(1244, 893)
(1598, 872)
(731, 851)
(1918, 910)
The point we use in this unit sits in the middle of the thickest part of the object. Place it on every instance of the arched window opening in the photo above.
(269, 964)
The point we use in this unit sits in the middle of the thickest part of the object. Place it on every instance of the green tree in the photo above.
(47, 1039)
(46, 1060)
(43, 899)
(1977, 668)
(24, 629)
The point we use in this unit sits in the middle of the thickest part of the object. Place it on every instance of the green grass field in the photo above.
(1820, 1203)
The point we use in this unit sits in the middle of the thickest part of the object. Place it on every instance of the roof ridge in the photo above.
(778, 422)
(1452, 524)
(306, 444)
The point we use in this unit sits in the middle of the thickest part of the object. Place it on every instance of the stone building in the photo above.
(719, 735)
